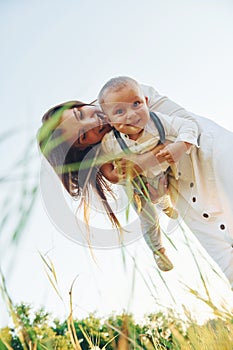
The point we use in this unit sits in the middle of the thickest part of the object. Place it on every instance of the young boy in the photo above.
(122, 100)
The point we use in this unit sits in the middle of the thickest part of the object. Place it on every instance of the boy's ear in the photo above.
(147, 100)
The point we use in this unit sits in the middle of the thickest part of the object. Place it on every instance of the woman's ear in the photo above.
(147, 100)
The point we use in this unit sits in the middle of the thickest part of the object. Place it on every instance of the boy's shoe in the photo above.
(162, 261)
(171, 212)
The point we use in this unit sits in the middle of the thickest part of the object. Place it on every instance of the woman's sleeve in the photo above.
(180, 129)
(162, 104)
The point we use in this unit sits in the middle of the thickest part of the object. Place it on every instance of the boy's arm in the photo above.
(131, 165)
(122, 167)
(135, 164)
(184, 133)
(173, 152)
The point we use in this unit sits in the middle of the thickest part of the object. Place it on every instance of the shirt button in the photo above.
(205, 215)
(179, 173)
(191, 184)
(222, 227)
(194, 199)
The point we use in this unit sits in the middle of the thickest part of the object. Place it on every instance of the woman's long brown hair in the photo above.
(66, 160)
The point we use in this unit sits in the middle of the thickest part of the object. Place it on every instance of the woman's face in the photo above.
(84, 126)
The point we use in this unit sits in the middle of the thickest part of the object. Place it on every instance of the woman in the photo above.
(69, 127)
(204, 197)
(69, 137)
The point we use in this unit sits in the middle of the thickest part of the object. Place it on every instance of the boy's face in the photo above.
(127, 109)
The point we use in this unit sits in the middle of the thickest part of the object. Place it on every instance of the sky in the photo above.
(53, 51)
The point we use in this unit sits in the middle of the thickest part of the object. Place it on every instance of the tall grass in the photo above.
(163, 331)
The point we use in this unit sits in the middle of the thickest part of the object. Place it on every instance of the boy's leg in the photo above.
(165, 204)
(152, 234)
(150, 225)
(164, 200)
(148, 216)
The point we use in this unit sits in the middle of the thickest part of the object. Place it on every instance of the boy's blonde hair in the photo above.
(115, 84)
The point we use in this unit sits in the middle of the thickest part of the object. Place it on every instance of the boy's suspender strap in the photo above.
(158, 125)
(121, 142)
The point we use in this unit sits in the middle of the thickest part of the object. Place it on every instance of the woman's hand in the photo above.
(113, 173)
(137, 163)
(133, 164)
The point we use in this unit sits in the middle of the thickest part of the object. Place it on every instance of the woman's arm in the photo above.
(162, 104)
(131, 165)
(135, 164)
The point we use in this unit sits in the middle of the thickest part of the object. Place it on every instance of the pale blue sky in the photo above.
(52, 51)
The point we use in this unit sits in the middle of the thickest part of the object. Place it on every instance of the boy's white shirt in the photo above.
(176, 129)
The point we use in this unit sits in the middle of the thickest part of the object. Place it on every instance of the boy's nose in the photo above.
(130, 115)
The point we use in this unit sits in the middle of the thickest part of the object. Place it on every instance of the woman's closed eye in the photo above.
(81, 114)
(78, 114)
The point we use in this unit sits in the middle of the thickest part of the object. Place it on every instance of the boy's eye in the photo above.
(119, 111)
(136, 103)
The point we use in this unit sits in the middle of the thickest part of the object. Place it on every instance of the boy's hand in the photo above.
(173, 152)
